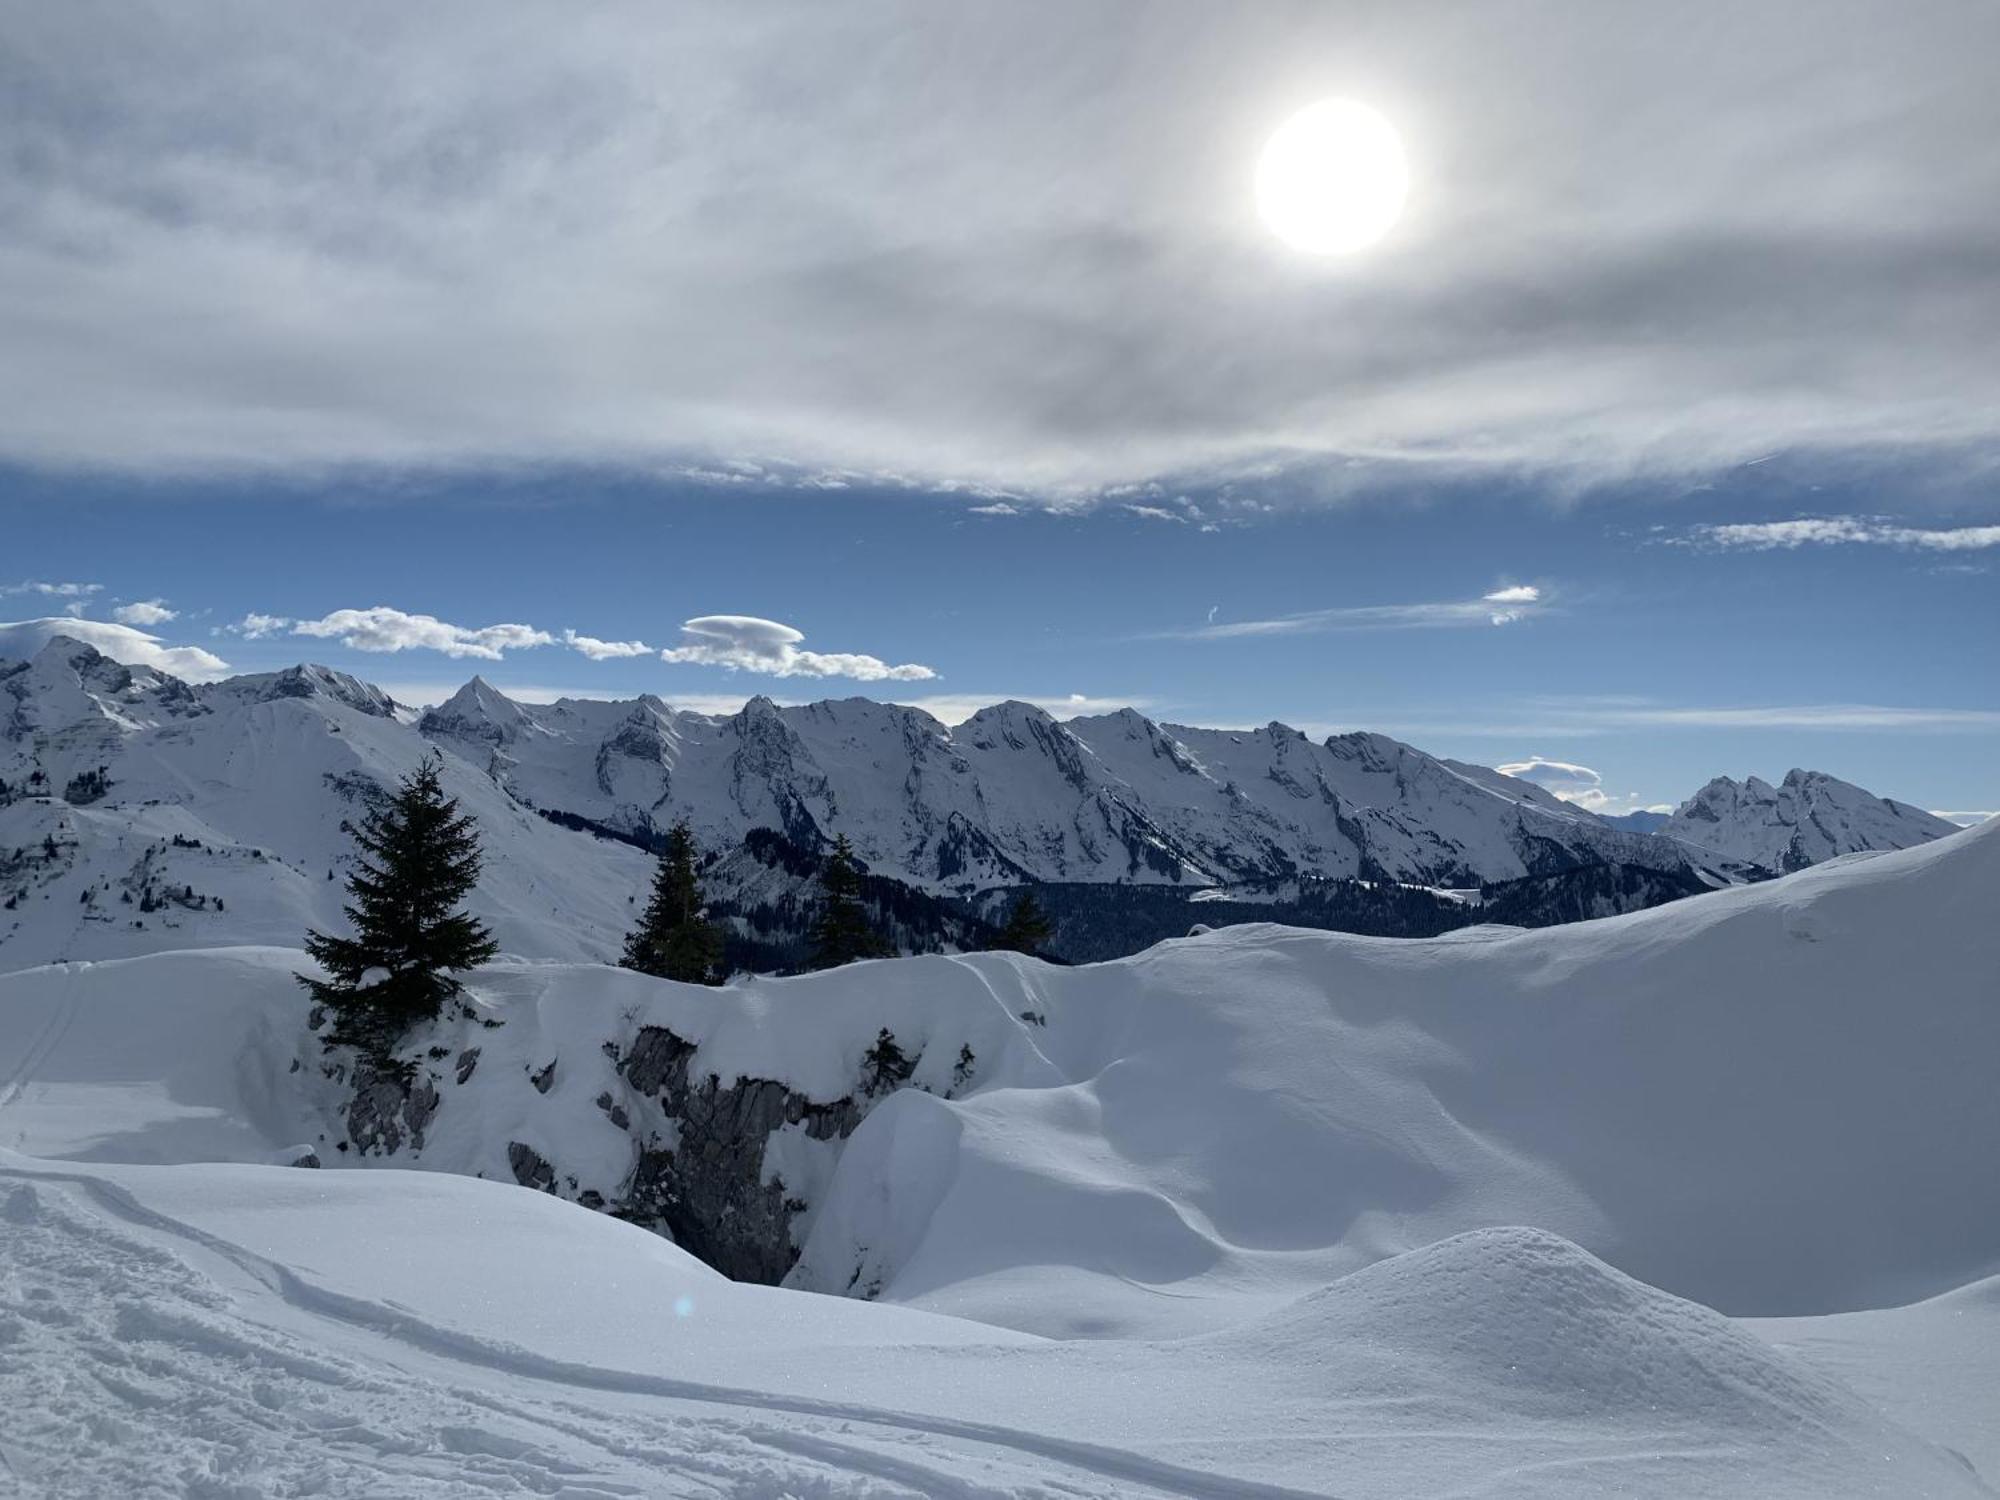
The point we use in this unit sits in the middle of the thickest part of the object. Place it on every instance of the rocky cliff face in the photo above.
(607, 1096)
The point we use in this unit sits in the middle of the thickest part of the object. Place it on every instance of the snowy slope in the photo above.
(240, 1331)
(1808, 817)
(223, 813)
(1769, 1098)
(1774, 1099)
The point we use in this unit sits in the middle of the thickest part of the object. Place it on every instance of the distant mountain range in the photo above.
(143, 812)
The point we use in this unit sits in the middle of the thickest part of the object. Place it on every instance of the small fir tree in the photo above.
(419, 857)
(674, 940)
(842, 933)
(1027, 929)
(885, 1066)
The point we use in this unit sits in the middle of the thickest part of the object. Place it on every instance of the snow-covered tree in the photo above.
(674, 939)
(420, 857)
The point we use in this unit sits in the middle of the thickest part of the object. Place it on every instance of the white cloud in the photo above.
(145, 612)
(1157, 513)
(1831, 531)
(1515, 603)
(956, 708)
(748, 644)
(51, 590)
(136, 648)
(254, 627)
(598, 650)
(384, 629)
(1576, 784)
(1564, 778)
(1965, 819)
(997, 508)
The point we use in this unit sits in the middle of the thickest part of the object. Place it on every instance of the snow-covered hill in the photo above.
(227, 1331)
(1260, 1183)
(1808, 817)
(1773, 1098)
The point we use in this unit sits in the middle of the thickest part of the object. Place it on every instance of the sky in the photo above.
(940, 354)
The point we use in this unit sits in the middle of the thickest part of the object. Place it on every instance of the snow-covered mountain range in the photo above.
(143, 812)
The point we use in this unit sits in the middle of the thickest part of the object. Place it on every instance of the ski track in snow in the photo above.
(250, 1410)
(45, 1042)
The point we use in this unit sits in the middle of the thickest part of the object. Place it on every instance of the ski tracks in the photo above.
(381, 1420)
(44, 1043)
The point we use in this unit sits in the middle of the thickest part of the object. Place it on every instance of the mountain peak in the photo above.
(1808, 817)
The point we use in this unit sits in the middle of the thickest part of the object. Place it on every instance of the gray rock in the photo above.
(708, 1191)
(531, 1168)
(387, 1109)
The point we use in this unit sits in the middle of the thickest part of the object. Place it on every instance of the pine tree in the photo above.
(1027, 929)
(419, 858)
(673, 939)
(885, 1066)
(842, 934)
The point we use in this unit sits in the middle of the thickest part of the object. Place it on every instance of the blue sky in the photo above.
(949, 352)
(1652, 655)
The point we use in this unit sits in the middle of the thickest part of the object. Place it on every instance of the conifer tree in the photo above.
(1027, 929)
(419, 858)
(842, 934)
(674, 940)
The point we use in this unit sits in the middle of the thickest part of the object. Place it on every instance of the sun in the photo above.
(1332, 179)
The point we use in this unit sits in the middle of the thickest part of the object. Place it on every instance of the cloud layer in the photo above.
(1010, 245)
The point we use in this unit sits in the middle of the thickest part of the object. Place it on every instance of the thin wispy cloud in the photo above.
(1843, 531)
(1503, 606)
(51, 590)
(745, 643)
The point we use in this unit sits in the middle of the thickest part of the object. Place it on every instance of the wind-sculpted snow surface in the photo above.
(239, 1331)
(1262, 1184)
(1774, 1099)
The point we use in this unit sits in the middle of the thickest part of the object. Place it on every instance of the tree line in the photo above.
(419, 857)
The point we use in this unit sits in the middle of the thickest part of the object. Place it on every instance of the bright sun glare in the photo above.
(1332, 178)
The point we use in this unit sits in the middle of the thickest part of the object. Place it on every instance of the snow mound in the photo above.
(1562, 1333)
